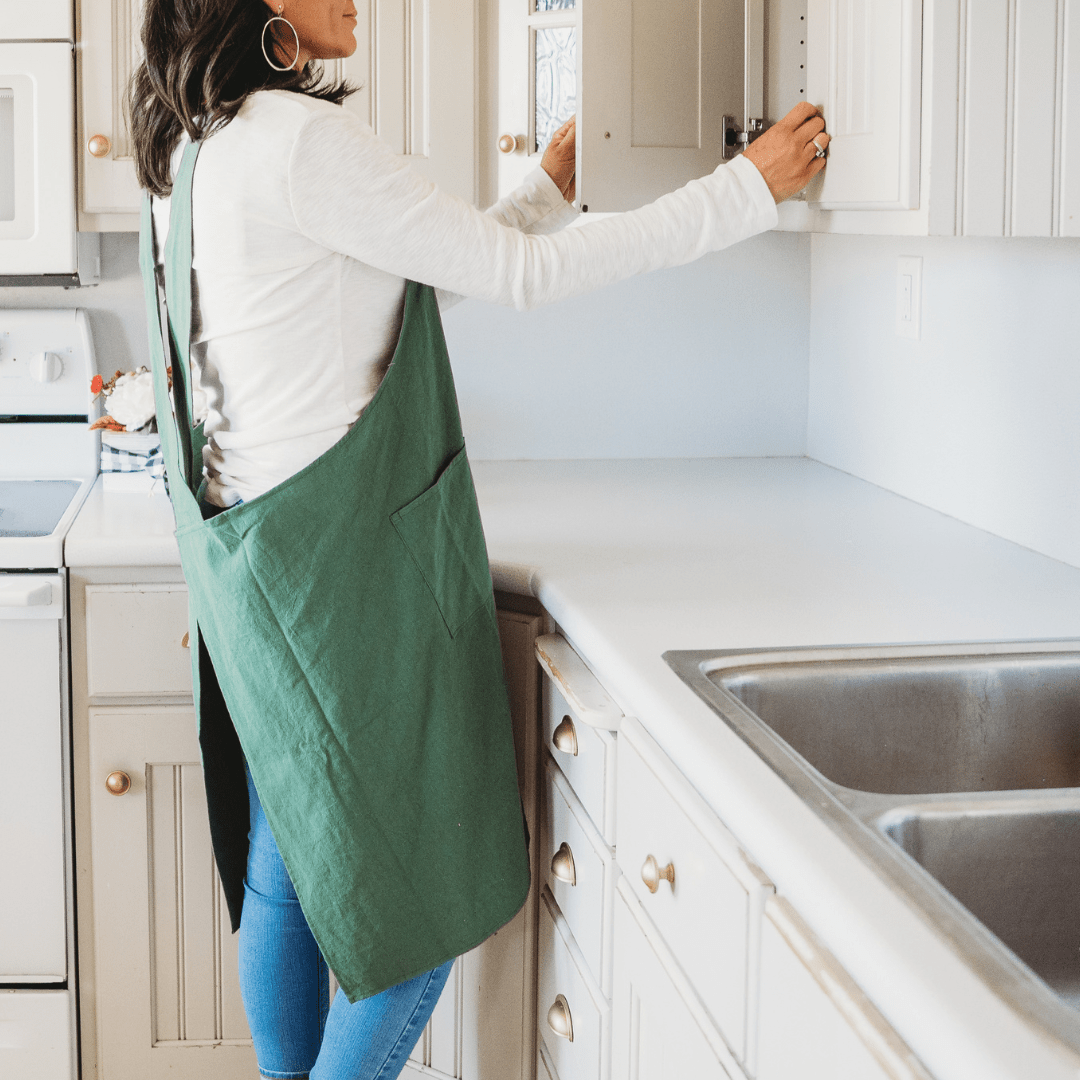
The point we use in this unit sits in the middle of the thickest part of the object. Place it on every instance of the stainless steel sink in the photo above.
(907, 726)
(1017, 869)
(954, 770)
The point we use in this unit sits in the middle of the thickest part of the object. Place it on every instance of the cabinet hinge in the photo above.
(735, 139)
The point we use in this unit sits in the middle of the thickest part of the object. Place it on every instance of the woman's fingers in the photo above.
(800, 114)
(560, 158)
(786, 154)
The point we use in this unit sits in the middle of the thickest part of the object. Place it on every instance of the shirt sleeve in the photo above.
(537, 207)
(352, 194)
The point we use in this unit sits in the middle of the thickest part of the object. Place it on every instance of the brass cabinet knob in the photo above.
(562, 864)
(564, 737)
(117, 783)
(652, 874)
(559, 1020)
(185, 641)
(99, 145)
(508, 143)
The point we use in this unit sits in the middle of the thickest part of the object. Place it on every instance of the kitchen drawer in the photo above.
(814, 1021)
(36, 1039)
(562, 971)
(586, 756)
(710, 915)
(659, 1029)
(586, 902)
(135, 640)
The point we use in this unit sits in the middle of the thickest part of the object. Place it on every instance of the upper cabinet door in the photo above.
(863, 72)
(415, 63)
(650, 82)
(657, 79)
(108, 51)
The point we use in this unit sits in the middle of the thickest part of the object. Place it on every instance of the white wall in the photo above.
(705, 360)
(981, 417)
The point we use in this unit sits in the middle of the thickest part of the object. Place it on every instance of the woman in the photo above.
(353, 721)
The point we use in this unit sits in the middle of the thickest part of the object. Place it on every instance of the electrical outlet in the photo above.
(909, 296)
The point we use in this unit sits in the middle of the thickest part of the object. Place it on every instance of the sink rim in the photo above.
(860, 817)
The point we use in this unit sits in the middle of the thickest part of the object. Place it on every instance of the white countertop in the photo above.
(633, 558)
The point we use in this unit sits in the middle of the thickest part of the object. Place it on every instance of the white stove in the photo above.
(48, 461)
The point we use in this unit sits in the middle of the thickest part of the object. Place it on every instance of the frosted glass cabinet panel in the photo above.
(554, 80)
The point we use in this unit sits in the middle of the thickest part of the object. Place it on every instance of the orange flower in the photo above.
(96, 383)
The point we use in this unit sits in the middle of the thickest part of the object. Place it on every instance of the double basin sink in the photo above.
(955, 770)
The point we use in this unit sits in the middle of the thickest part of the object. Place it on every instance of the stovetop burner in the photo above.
(34, 507)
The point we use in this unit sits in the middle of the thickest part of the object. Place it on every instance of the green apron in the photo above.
(344, 635)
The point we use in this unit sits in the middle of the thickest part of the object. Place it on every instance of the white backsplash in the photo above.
(980, 418)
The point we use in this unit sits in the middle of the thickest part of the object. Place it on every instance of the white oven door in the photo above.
(37, 158)
(33, 940)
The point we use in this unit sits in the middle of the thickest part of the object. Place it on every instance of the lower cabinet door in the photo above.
(814, 1022)
(657, 1034)
(165, 980)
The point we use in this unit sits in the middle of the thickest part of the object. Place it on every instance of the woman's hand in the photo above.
(560, 159)
(786, 156)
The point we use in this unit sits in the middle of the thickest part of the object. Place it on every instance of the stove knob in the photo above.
(46, 367)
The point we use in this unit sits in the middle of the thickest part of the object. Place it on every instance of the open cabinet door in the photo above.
(657, 78)
(864, 59)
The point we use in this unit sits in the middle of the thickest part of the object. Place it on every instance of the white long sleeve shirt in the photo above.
(306, 227)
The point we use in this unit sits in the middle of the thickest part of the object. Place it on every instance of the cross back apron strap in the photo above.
(346, 631)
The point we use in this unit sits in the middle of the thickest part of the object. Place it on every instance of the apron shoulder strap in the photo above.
(180, 444)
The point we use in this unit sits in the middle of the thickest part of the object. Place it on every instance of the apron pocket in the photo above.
(442, 532)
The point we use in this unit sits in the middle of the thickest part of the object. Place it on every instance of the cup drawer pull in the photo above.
(559, 1020)
(652, 874)
(564, 737)
(562, 864)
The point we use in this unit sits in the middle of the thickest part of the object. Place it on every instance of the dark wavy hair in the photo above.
(202, 60)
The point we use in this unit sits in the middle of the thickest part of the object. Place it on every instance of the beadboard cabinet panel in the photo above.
(1014, 136)
(166, 957)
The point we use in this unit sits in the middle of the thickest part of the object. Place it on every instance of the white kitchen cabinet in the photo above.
(578, 868)
(815, 1023)
(957, 120)
(165, 974)
(688, 872)
(157, 975)
(863, 68)
(415, 64)
(650, 82)
(658, 1031)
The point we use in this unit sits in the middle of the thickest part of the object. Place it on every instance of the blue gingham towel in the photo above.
(113, 460)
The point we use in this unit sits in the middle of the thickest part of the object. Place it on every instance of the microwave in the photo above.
(39, 241)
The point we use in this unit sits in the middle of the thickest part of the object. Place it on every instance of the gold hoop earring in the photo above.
(280, 18)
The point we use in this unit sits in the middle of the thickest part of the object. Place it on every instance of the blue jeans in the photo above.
(285, 985)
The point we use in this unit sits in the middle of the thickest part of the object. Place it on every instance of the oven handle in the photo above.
(24, 593)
